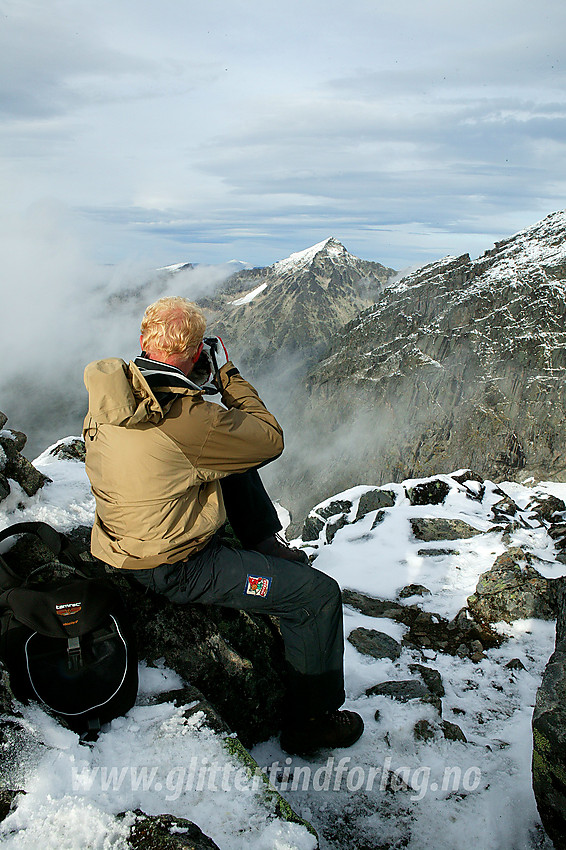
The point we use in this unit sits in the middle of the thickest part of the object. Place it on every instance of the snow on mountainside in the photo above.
(330, 248)
(461, 363)
(452, 747)
(294, 306)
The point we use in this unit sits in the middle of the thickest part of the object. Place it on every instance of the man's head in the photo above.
(172, 330)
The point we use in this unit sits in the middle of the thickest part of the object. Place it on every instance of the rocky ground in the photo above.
(451, 588)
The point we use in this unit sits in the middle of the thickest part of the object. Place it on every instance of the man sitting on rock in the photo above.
(167, 467)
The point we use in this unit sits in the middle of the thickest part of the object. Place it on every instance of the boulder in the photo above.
(472, 483)
(549, 747)
(431, 678)
(547, 508)
(312, 528)
(513, 589)
(413, 590)
(7, 801)
(338, 506)
(374, 643)
(4, 486)
(379, 517)
(560, 589)
(373, 500)
(405, 691)
(373, 607)
(460, 636)
(424, 730)
(167, 832)
(333, 527)
(436, 552)
(504, 509)
(428, 493)
(73, 449)
(435, 528)
(15, 466)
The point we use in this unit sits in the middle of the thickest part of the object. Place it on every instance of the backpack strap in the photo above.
(63, 549)
(48, 535)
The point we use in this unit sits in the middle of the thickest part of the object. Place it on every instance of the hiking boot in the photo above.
(279, 548)
(328, 731)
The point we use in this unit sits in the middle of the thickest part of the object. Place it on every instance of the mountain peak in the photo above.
(330, 247)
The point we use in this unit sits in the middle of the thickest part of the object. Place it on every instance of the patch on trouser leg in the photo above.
(257, 586)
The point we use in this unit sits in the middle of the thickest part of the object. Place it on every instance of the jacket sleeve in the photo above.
(244, 436)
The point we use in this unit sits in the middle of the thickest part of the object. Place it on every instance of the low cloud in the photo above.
(62, 309)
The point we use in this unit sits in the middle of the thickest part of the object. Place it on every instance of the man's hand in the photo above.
(207, 368)
(217, 351)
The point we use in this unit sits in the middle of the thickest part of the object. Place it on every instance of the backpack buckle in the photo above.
(74, 654)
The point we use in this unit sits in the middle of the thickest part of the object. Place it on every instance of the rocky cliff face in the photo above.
(295, 305)
(461, 363)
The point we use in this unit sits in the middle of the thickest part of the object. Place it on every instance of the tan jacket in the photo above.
(155, 473)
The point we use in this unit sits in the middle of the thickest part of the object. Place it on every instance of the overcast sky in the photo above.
(161, 132)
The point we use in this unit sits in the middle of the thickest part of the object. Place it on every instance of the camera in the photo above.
(205, 370)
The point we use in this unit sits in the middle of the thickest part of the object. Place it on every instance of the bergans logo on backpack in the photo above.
(65, 636)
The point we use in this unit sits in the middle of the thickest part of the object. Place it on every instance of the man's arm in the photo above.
(223, 441)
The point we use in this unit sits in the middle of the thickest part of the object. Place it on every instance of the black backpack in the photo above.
(65, 636)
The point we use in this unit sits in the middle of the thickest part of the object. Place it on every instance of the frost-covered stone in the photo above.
(373, 500)
(70, 450)
(431, 678)
(513, 589)
(548, 508)
(339, 506)
(18, 467)
(436, 528)
(473, 484)
(406, 690)
(549, 747)
(413, 590)
(167, 832)
(312, 528)
(335, 526)
(504, 508)
(428, 493)
(374, 643)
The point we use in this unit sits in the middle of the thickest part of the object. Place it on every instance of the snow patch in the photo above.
(246, 299)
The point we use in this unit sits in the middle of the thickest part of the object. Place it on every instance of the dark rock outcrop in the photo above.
(167, 832)
(405, 691)
(435, 528)
(460, 636)
(460, 363)
(428, 493)
(73, 449)
(549, 747)
(14, 466)
(374, 500)
(549, 733)
(374, 643)
(513, 589)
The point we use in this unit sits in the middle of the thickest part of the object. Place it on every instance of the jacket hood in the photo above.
(119, 394)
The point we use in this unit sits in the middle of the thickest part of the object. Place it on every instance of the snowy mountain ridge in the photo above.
(460, 363)
(316, 290)
(329, 248)
(541, 246)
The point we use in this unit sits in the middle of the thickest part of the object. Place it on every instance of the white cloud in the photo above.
(254, 128)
